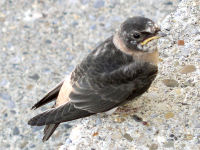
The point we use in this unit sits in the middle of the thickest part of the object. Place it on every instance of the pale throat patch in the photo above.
(151, 57)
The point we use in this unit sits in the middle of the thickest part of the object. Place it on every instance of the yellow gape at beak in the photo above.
(149, 39)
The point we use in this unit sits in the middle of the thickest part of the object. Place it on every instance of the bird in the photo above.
(117, 71)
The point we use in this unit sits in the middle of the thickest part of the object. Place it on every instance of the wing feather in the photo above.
(111, 89)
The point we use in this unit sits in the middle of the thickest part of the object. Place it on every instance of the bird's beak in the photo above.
(161, 34)
(149, 39)
(158, 35)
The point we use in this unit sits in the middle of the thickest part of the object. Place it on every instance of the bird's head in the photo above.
(136, 32)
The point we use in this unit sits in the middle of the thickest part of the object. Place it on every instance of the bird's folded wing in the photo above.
(102, 92)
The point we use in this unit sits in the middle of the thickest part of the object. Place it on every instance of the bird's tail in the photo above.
(49, 130)
(63, 113)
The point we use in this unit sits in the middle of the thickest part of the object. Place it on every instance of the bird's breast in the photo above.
(152, 57)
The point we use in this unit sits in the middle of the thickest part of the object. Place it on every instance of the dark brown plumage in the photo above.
(118, 70)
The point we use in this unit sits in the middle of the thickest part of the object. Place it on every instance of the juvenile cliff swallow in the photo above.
(115, 72)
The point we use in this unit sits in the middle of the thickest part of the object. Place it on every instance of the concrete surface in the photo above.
(42, 41)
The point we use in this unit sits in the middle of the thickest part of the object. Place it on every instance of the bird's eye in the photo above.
(136, 35)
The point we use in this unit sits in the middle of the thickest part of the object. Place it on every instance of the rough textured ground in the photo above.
(42, 41)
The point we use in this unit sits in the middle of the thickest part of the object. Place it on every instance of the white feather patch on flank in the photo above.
(110, 112)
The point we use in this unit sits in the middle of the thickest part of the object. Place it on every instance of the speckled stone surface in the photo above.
(42, 41)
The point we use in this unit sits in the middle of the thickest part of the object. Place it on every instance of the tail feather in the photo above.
(49, 130)
(66, 112)
(49, 97)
